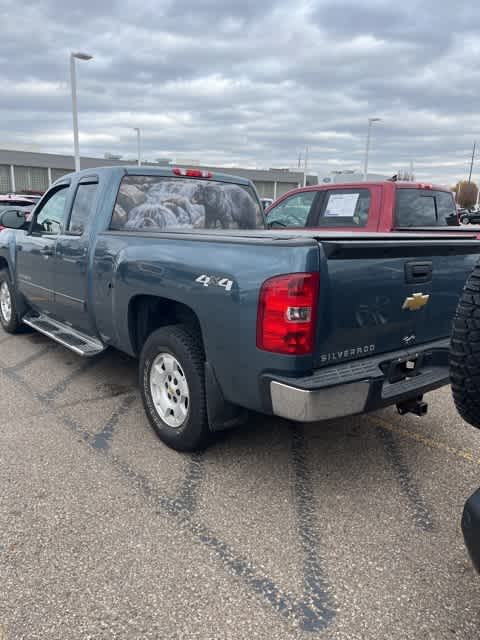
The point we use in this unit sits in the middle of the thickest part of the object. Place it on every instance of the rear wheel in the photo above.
(172, 383)
(8, 309)
(465, 352)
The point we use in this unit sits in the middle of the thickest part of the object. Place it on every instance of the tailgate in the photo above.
(384, 293)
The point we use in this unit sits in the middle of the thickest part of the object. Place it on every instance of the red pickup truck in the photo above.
(366, 206)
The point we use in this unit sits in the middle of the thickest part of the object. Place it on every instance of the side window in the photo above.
(293, 211)
(49, 219)
(446, 209)
(82, 207)
(345, 208)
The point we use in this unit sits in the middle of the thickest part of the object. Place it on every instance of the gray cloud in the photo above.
(247, 82)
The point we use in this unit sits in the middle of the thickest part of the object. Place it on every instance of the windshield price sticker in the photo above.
(342, 205)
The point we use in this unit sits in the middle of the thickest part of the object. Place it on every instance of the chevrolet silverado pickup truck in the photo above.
(384, 207)
(175, 267)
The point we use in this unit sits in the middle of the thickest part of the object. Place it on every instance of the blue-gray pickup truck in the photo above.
(175, 266)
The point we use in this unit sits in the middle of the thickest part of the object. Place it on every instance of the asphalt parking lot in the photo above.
(347, 529)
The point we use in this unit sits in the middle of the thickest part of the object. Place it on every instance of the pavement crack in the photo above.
(63, 385)
(103, 438)
(31, 359)
(421, 514)
(188, 495)
(318, 609)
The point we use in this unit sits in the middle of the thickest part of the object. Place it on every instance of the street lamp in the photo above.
(73, 82)
(367, 147)
(139, 146)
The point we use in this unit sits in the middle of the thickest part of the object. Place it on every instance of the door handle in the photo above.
(417, 272)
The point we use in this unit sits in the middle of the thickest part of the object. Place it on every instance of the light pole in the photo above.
(73, 82)
(471, 163)
(367, 146)
(139, 146)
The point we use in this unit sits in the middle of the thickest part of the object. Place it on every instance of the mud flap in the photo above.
(222, 414)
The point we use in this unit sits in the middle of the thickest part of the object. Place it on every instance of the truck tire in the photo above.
(9, 319)
(172, 384)
(465, 352)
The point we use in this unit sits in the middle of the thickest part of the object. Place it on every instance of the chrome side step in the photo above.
(74, 340)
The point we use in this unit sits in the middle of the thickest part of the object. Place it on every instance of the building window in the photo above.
(31, 179)
(264, 189)
(5, 185)
(59, 173)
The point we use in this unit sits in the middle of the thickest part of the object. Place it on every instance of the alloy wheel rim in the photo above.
(169, 389)
(5, 302)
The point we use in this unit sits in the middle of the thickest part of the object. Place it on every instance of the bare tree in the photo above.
(466, 193)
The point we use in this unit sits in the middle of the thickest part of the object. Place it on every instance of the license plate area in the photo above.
(405, 367)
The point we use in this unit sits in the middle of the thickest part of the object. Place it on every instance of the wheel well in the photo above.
(3, 264)
(148, 313)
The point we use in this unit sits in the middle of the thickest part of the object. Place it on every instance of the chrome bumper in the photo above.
(358, 386)
(322, 404)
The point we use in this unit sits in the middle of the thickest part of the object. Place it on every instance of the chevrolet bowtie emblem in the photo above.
(416, 301)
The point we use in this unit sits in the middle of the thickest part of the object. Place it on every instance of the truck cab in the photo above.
(381, 207)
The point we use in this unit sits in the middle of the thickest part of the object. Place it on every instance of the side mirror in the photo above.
(13, 219)
(452, 220)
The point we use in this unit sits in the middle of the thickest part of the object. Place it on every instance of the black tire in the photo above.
(465, 220)
(13, 324)
(194, 434)
(465, 352)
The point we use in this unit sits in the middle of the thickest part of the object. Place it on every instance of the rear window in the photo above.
(424, 208)
(158, 204)
(345, 208)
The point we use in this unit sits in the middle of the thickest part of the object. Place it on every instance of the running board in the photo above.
(74, 340)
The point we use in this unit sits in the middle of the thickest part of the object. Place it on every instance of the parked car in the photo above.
(470, 216)
(13, 200)
(471, 527)
(366, 206)
(175, 267)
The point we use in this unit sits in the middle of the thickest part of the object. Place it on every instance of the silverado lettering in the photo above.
(348, 353)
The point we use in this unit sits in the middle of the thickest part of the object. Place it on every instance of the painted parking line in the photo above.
(381, 423)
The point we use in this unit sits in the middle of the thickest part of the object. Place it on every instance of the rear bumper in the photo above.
(359, 386)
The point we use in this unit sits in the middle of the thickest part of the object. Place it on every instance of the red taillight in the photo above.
(287, 311)
(191, 173)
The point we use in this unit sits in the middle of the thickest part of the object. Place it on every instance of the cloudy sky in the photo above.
(248, 82)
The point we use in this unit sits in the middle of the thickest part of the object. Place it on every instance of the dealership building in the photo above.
(27, 171)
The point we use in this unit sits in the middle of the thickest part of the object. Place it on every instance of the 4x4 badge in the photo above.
(416, 301)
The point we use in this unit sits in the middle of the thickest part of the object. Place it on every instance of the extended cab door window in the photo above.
(49, 220)
(82, 207)
(344, 208)
(293, 211)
